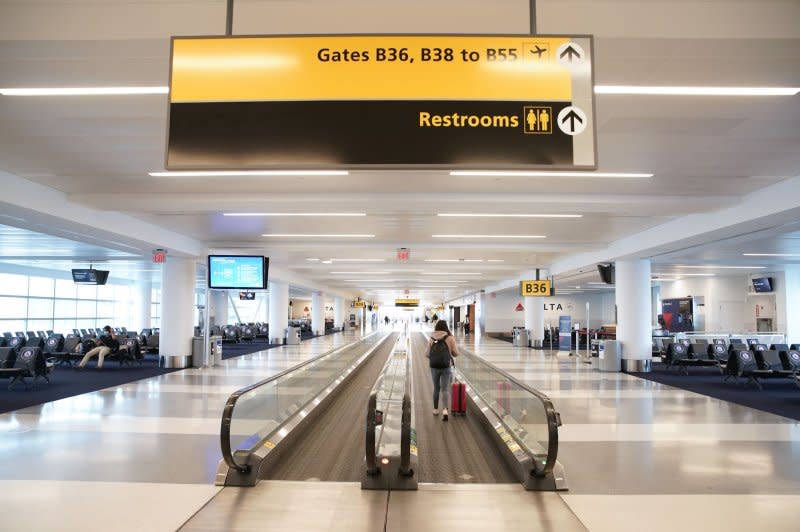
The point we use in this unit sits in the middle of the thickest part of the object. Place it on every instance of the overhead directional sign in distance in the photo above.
(408, 303)
(328, 101)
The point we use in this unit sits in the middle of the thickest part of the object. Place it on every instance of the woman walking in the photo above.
(441, 351)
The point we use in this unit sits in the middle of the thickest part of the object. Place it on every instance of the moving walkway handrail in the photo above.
(230, 404)
(553, 417)
(405, 423)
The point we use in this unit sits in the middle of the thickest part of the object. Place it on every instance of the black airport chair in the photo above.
(790, 360)
(720, 341)
(16, 343)
(53, 345)
(68, 351)
(50, 333)
(752, 341)
(35, 341)
(7, 335)
(719, 353)
(744, 364)
(779, 347)
(772, 360)
(247, 335)
(30, 362)
(41, 334)
(796, 347)
(30, 334)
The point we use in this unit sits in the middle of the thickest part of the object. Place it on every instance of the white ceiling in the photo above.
(706, 152)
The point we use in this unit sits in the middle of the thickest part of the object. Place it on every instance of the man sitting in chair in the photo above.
(106, 345)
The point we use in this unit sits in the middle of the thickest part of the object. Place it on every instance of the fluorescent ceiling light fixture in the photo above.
(451, 273)
(294, 214)
(771, 254)
(696, 91)
(724, 267)
(362, 273)
(453, 260)
(312, 260)
(317, 235)
(485, 215)
(488, 236)
(495, 260)
(510, 173)
(358, 260)
(663, 279)
(247, 173)
(596, 282)
(82, 91)
(695, 274)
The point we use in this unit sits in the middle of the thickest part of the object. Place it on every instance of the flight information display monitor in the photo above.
(242, 272)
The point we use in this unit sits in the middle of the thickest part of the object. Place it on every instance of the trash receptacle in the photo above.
(292, 335)
(197, 352)
(610, 355)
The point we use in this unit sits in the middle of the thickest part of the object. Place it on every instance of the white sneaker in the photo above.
(444, 414)
(435, 411)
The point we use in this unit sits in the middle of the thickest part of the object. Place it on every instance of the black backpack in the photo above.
(440, 357)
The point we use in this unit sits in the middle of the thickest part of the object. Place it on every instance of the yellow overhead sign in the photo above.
(535, 288)
(360, 304)
(370, 67)
(406, 302)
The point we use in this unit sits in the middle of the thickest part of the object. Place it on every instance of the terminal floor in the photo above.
(639, 455)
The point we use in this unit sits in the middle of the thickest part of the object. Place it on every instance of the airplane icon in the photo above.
(538, 51)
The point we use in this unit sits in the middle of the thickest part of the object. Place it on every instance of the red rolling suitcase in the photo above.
(459, 399)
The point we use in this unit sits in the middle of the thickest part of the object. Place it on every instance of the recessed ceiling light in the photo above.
(696, 91)
(294, 214)
(488, 236)
(249, 173)
(327, 261)
(771, 254)
(510, 173)
(317, 235)
(82, 91)
(485, 215)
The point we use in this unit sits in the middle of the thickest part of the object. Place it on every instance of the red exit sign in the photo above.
(159, 256)
(403, 254)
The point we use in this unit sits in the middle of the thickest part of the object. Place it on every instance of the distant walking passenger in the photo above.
(441, 350)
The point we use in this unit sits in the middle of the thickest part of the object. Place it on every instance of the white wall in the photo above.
(501, 315)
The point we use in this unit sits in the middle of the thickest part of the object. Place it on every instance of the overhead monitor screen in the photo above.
(762, 284)
(89, 276)
(243, 272)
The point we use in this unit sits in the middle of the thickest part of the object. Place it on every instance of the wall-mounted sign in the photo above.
(519, 307)
(535, 288)
(406, 303)
(455, 101)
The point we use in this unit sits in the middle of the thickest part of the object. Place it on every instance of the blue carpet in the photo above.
(779, 396)
(66, 382)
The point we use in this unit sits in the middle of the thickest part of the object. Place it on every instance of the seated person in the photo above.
(106, 345)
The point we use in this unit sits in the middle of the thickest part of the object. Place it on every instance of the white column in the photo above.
(143, 302)
(318, 312)
(338, 312)
(534, 319)
(177, 305)
(789, 299)
(633, 313)
(278, 311)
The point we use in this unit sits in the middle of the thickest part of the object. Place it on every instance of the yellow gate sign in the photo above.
(406, 303)
(535, 288)
(461, 101)
(360, 304)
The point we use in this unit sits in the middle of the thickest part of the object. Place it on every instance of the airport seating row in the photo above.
(736, 360)
(29, 362)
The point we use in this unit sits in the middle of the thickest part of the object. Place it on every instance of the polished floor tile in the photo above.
(39, 506)
(686, 513)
